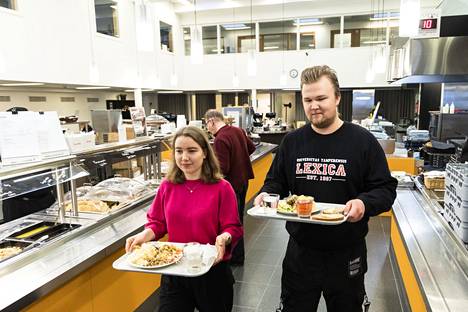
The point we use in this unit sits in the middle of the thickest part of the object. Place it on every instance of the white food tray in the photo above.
(260, 212)
(179, 269)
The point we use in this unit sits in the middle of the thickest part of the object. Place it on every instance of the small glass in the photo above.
(304, 206)
(194, 254)
(270, 202)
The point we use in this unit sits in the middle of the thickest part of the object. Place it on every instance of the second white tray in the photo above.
(179, 269)
(260, 212)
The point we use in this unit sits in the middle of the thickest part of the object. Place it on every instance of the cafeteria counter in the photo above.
(74, 271)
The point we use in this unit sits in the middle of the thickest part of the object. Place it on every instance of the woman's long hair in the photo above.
(210, 171)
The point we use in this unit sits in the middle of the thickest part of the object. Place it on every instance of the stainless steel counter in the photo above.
(438, 257)
(262, 150)
(38, 271)
(35, 273)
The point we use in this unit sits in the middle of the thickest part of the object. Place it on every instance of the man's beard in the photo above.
(324, 122)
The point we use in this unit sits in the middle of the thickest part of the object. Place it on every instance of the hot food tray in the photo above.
(42, 231)
(10, 246)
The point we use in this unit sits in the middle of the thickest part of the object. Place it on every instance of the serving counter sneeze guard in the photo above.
(65, 257)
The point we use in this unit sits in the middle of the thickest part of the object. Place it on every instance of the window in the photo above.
(107, 18)
(210, 42)
(187, 43)
(278, 36)
(9, 4)
(238, 37)
(365, 30)
(317, 33)
(165, 31)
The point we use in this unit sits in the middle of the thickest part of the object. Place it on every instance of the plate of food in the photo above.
(286, 208)
(153, 255)
(333, 214)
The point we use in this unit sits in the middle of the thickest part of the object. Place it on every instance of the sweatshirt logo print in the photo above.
(321, 169)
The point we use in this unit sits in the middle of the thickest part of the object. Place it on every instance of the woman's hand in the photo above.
(222, 241)
(145, 236)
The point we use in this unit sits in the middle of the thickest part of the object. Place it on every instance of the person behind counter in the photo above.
(335, 162)
(194, 204)
(233, 149)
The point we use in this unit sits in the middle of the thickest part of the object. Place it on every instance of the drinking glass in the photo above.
(194, 254)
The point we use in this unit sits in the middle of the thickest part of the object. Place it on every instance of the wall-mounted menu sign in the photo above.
(30, 136)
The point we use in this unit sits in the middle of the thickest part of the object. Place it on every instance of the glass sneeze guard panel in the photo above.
(19, 185)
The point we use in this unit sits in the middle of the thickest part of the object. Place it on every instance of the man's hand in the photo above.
(354, 210)
(259, 199)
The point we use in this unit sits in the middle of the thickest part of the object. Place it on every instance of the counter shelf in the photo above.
(438, 257)
(13, 186)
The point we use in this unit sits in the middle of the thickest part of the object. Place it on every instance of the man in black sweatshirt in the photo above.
(335, 162)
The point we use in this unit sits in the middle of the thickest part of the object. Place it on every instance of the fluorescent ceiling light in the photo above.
(291, 89)
(216, 50)
(233, 90)
(385, 16)
(129, 90)
(374, 42)
(308, 21)
(20, 84)
(92, 88)
(170, 92)
(270, 48)
(236, 26)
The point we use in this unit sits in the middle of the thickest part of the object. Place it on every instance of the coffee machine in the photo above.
(257, 122)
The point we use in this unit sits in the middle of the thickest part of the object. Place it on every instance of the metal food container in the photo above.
(388, 145)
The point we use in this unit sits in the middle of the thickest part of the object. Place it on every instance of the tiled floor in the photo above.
(258, 282)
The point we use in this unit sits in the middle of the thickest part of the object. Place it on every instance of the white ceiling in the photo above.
(181, 6)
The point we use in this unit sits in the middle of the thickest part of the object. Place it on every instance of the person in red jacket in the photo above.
(233, 149)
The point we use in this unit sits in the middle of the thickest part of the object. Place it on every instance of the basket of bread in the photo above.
(434, 179)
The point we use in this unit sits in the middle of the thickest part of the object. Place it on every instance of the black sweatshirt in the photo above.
(333, 168)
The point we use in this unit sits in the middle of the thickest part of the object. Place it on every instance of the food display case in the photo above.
(45, 249)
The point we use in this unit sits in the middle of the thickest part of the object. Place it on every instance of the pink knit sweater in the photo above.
(195, 211)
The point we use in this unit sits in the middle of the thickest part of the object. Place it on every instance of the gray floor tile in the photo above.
(248, 295)
(385, 305)
(271, 299)
(260, 256)
(276, 277)
(254, 273)
(242, 309)
(270, 243)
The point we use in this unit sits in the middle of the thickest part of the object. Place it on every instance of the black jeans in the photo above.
(238, 254)
(339, 274)
(211, 292)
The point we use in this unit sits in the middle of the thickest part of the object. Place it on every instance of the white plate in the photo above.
(161, 265)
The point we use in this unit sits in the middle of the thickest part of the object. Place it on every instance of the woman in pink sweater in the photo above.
(194, 204)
